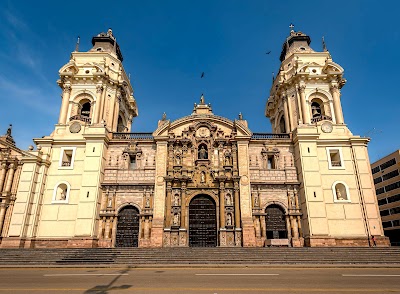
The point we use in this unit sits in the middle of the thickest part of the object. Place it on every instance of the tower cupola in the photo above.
(296, 42)
(106, 42)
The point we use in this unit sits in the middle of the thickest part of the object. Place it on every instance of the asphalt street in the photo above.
(200, 280)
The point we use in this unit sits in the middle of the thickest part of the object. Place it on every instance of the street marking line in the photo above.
(371, 275)
(237, 274)
(62, 275)
(168, 290)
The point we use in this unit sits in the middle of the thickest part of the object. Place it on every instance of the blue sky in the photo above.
(167, 44)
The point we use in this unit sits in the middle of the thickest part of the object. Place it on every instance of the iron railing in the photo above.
(133, 136)
(263, 136)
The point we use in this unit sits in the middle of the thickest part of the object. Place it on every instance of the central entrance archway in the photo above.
(127, 227)
(275, 222)
(202, 222)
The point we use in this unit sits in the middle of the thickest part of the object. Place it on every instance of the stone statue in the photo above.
(147, 205)
(164, 116)
(228, 219)
(202, 177)
(339, 194)
(228, 199)
(256, 204)
(227, 160)
(178, 160)
(176, 199)
(202, 153)
(9, 130)
(175, 221)
(240, 116)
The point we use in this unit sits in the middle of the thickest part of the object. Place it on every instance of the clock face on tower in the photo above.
(327, 127)
(75, 127)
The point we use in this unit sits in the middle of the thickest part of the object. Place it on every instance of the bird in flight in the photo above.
(268, 52)
(202, 75)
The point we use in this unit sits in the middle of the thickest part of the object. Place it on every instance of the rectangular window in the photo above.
(382, 201)
(271, 162)
(384, 212)
(390, 175)
(335, 158)
(133, 162)
(387, 224)
(380, 191)
(67, 155)
(392, 186)
(388, 163)
(393, 198)
(377, 180)
(375, 170)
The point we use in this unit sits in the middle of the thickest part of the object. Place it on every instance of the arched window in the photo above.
(121, 125)
(85, 109)
(317, 108)
(282, 125)
(340, 192)
(61, 192)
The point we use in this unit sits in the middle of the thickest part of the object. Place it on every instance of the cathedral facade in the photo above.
(199, 181)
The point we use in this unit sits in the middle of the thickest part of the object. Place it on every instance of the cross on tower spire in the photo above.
(291, 27)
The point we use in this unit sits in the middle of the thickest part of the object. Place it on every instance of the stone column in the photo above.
(263, 227)
(336, 103)
(292, 123)
(111, 110)
(289, 229)
(305, 110)
(183, 203)
(64, 105)
(222, 204)
(7, 218)
(285, 112)
(2, 214)
(10, 178)
(99, 90)
(107, 229)
(3, 175)
(237, 206)
(295, 229)
(146, 230)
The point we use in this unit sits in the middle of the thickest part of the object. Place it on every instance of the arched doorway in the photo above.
(127, 227)
(202, 222)
(275, 222)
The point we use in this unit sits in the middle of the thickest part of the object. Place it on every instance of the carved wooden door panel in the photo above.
(275, 223)
(127, 227)
(202, 222)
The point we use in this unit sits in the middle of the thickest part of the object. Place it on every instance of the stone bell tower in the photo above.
(60, 191)
(337, 198)
(96, 88)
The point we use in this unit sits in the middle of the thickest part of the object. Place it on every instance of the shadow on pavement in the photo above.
(104, 289)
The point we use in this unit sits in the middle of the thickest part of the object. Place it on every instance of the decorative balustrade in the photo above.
(133, 136)
(263, 136)
(81, 118)
(320, 118)
(66, 163)
(336, 163)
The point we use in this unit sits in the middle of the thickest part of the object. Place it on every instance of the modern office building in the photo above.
(386, 174)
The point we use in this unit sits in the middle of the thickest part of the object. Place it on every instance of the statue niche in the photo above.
(202, 152)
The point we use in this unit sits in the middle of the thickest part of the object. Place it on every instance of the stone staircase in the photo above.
(209, 256)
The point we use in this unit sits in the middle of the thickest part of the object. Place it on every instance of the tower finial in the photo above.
(77, 44)
(323, 44)
(291, 27)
